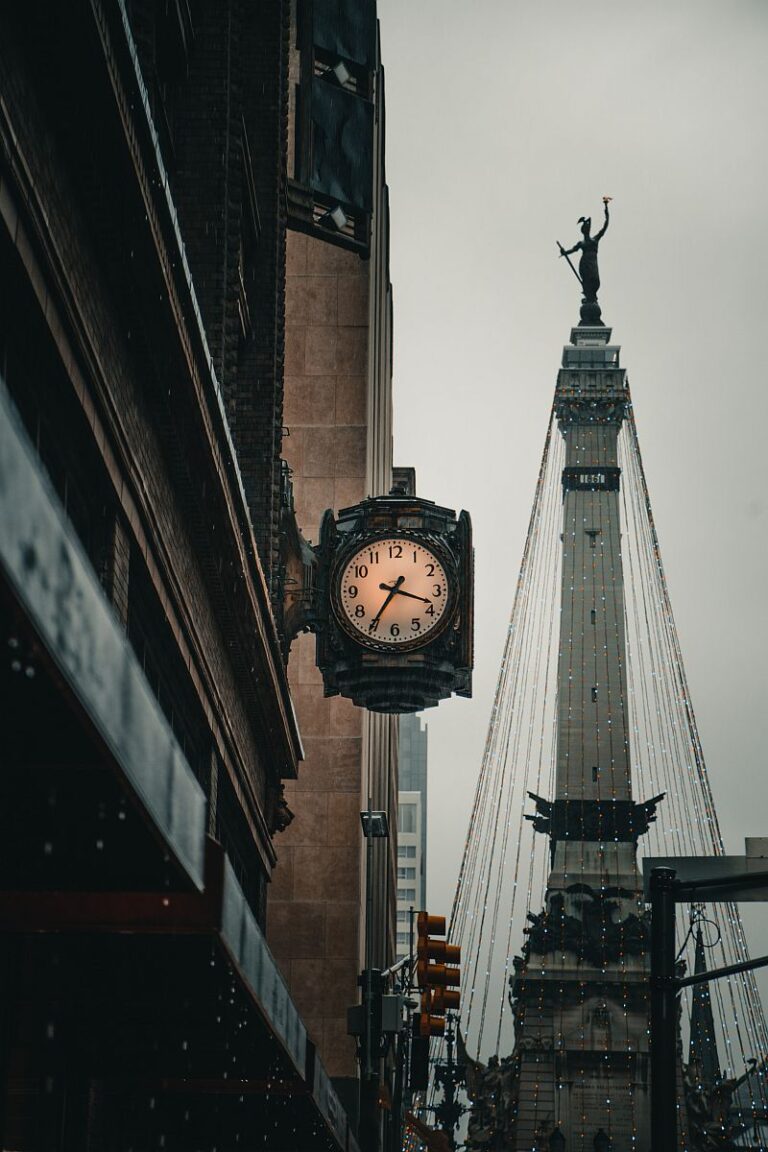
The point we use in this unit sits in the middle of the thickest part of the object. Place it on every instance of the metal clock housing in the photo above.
(392, 603)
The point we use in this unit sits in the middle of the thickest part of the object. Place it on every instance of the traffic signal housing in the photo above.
(437, 974)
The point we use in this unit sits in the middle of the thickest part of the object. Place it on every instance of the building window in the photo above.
(406, 893)
(406, 851)
(403, 938)
(406, 873)
(406, 818)
(403, 914)
(167, 675)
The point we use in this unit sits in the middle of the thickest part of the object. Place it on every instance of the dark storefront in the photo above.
(147, 722)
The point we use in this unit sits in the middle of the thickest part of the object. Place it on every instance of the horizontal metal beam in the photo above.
(740, 886)
(716, 973)
(707, 878)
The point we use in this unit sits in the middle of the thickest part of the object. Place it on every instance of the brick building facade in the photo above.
(144, 500)
(338, 418)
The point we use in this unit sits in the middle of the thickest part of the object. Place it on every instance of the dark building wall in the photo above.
(223, 116)
(105, 349)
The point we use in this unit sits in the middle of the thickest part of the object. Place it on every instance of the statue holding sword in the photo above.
(588, 274)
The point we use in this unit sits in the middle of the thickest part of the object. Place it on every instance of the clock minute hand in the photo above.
(393, 589)
(402, 592)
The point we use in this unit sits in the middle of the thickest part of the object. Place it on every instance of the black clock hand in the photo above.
(401, 592)
(392, 590)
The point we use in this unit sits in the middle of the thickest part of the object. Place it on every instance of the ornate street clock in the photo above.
(393, 603)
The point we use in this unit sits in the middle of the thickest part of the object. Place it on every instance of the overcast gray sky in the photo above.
(506, 121)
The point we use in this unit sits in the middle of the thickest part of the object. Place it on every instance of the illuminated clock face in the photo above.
(393, 592)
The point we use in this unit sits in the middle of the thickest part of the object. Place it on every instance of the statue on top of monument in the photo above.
(588, 274)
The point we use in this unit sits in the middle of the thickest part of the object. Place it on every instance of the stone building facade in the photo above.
(338, 418)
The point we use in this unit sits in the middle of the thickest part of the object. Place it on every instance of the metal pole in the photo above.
(410, 947)
(396, 1131)
(369, 1087)
(450, 1086)
(6, 984)
(663, 1012)
(397, 1127)
(369, 943)
(564, 253)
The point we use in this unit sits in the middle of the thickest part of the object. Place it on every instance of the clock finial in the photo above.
(588, 274)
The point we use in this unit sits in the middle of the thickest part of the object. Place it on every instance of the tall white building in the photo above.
(411, 827)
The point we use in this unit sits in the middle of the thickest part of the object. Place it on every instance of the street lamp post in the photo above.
(663, 1011)
(375, 827)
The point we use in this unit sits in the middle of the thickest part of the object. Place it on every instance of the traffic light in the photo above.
(437, 974)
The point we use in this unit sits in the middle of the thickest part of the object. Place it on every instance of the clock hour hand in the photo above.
(402, 592)
(392, 590)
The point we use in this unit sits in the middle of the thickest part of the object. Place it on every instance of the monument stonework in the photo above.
(578, 1077)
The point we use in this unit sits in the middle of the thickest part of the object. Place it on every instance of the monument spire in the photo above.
(580, 990)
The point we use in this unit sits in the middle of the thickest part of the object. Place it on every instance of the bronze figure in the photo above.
(588, 273)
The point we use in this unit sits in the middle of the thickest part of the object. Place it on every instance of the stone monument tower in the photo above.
(578, 1076)
(580, 990)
